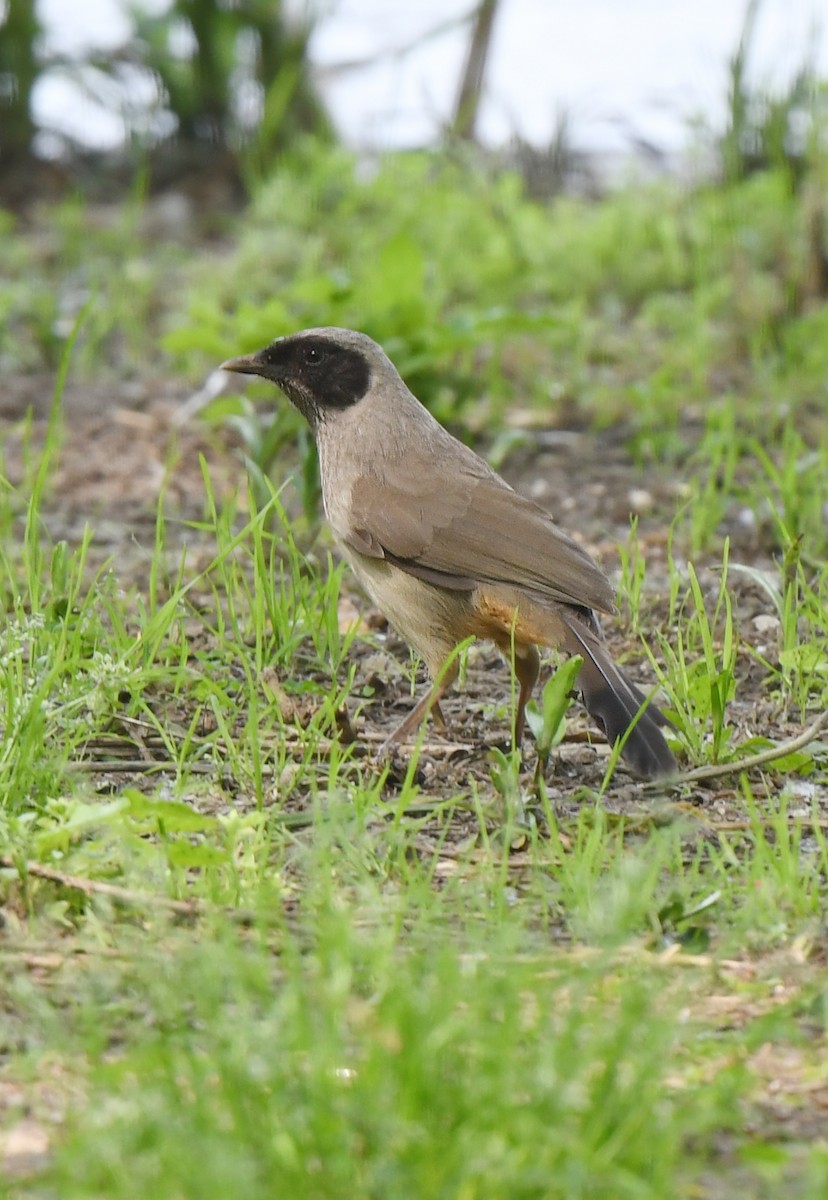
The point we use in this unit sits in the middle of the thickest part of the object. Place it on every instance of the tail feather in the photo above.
(615, 703)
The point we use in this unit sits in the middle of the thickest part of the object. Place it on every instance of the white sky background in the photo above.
(617, 67)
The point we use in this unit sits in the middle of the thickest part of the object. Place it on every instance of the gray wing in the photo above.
(471, 528)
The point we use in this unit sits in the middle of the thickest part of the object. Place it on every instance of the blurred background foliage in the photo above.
(229, 84)
(508, 297)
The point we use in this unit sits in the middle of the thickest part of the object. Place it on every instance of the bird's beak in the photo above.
(245, 364)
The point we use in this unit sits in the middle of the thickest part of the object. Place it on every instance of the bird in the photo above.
(444, 546)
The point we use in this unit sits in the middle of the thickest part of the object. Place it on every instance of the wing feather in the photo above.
(473, 530)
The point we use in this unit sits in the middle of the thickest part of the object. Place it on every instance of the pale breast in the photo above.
(433, 621)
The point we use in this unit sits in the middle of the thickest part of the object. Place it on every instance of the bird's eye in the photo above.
(313, 355)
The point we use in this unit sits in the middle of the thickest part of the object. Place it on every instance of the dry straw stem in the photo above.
(190, 909)
(753, 760)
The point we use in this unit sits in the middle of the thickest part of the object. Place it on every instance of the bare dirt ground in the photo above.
(123, 447)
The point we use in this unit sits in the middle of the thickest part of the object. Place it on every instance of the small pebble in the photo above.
(640, 500)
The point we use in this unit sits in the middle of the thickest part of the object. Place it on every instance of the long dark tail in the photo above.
(615, 703)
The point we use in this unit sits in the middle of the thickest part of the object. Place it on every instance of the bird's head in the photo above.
(322, 371)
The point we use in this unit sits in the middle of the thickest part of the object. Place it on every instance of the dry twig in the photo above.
(123, 895)
(718, 770)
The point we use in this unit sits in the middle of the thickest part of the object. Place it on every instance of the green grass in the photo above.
(366, 1064)
(240, 956)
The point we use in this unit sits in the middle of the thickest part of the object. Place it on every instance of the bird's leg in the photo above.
(527, 668)
(429, 703)
(525, 662)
